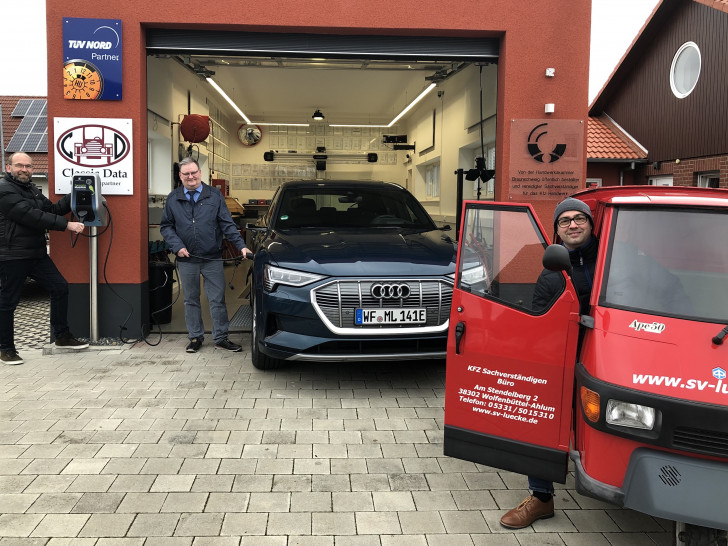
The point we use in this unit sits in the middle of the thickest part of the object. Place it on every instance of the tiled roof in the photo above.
(721, 5)
(604, 140)
(10, 125)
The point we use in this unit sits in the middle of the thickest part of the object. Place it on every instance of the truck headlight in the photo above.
(624, 414)
(273, 276)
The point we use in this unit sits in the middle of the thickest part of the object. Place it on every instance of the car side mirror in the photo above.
(556, 258)
(446, 227)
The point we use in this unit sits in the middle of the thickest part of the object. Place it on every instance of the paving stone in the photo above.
(98, 503)
(107, 525)
(141, 503)
(184, 502)
(19, 525)
(60, 525)
(208, 524)
(153, 525)
(16, 503)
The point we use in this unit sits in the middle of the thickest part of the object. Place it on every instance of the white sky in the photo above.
(614, 25)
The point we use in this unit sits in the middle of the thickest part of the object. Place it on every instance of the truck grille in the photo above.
(338, 300)
(708, 442)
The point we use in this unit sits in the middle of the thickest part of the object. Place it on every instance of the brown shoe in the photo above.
(527, 512)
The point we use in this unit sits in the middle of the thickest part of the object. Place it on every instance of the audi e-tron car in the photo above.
(349, 270)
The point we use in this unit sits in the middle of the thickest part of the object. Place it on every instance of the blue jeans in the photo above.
(12, 278)
(214, 282)
(542, 486)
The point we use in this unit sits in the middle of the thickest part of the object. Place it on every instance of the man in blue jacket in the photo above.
(25, 215)
(194, 220)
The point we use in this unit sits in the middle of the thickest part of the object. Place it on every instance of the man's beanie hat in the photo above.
(572, 204)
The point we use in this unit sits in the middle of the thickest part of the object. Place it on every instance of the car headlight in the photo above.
(472, 275)
(273, 276)
(629, 415)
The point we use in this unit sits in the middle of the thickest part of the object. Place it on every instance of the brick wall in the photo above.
(685, 173)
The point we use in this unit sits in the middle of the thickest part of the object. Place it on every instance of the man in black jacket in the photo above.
(25, 215)
(573, 223)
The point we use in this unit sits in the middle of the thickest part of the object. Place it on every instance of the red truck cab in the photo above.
(634, 392)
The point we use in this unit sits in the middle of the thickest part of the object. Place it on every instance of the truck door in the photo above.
(510, 360)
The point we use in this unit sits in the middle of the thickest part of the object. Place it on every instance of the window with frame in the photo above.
(685, 70)
(709, 180)
(432, 180)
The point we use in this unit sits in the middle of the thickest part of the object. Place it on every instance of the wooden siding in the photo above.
(645, 106)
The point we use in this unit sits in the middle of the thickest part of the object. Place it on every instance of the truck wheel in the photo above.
(685, 534)
(260, 361)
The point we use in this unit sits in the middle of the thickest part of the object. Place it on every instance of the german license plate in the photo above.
(364, 317)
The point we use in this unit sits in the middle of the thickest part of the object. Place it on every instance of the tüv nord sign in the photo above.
(102, 146)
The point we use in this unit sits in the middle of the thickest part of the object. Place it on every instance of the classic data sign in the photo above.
(92, 59)
(547, 159)
(94, 145)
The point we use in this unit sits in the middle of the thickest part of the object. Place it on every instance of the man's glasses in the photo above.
(579, 219)
(22, 166)
(191, 173)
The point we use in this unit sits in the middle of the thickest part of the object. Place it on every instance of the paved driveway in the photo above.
(150, 445)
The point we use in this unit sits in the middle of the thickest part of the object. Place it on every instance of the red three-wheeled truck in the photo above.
(635, 392)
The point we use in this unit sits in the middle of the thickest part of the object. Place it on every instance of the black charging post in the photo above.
(89, 206)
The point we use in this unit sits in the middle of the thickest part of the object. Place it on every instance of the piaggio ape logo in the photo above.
(535, 147)
(93, 146)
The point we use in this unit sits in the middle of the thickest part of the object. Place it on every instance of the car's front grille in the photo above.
(708, 442)
(338, 300)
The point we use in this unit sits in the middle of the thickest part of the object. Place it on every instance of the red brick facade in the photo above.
(685, 172)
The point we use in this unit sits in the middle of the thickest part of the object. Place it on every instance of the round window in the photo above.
(685, 70)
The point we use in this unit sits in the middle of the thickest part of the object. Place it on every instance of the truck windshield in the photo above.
(668, 262)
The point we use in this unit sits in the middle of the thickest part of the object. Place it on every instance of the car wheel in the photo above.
(260, 361)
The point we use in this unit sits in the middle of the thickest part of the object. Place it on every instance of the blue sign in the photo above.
(91, 59)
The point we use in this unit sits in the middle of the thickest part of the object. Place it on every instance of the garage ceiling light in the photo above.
(228, 99)
(284, 124)
(317, 115)
(407, 108)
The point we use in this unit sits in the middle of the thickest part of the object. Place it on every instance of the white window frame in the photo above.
(432, 180)
(593, 182)
(681, 94)
(705, 178)
(660, 181)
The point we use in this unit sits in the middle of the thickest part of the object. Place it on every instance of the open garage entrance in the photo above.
(410, 110)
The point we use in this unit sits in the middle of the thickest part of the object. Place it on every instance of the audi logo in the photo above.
(390, 291)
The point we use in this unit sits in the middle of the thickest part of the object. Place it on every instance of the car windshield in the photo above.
(341, 207)
(671, 262)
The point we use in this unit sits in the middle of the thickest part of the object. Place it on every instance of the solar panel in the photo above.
(32, 133)
(35, 108)
(26, 125)
(41, 125)
(22, 107)
(31, 143)
(16, 143)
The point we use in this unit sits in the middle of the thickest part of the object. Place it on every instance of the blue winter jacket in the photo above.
(200, 227)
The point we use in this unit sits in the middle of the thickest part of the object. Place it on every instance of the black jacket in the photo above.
(25, 215)
(551, 283)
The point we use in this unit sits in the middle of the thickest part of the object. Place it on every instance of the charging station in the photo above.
(89, 206)
(87, 203)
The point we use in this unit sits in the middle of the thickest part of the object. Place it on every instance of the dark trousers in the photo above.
(12, 277)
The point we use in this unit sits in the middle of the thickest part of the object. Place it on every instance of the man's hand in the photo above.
(182, 253)
(246, 252)
(75, 227)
